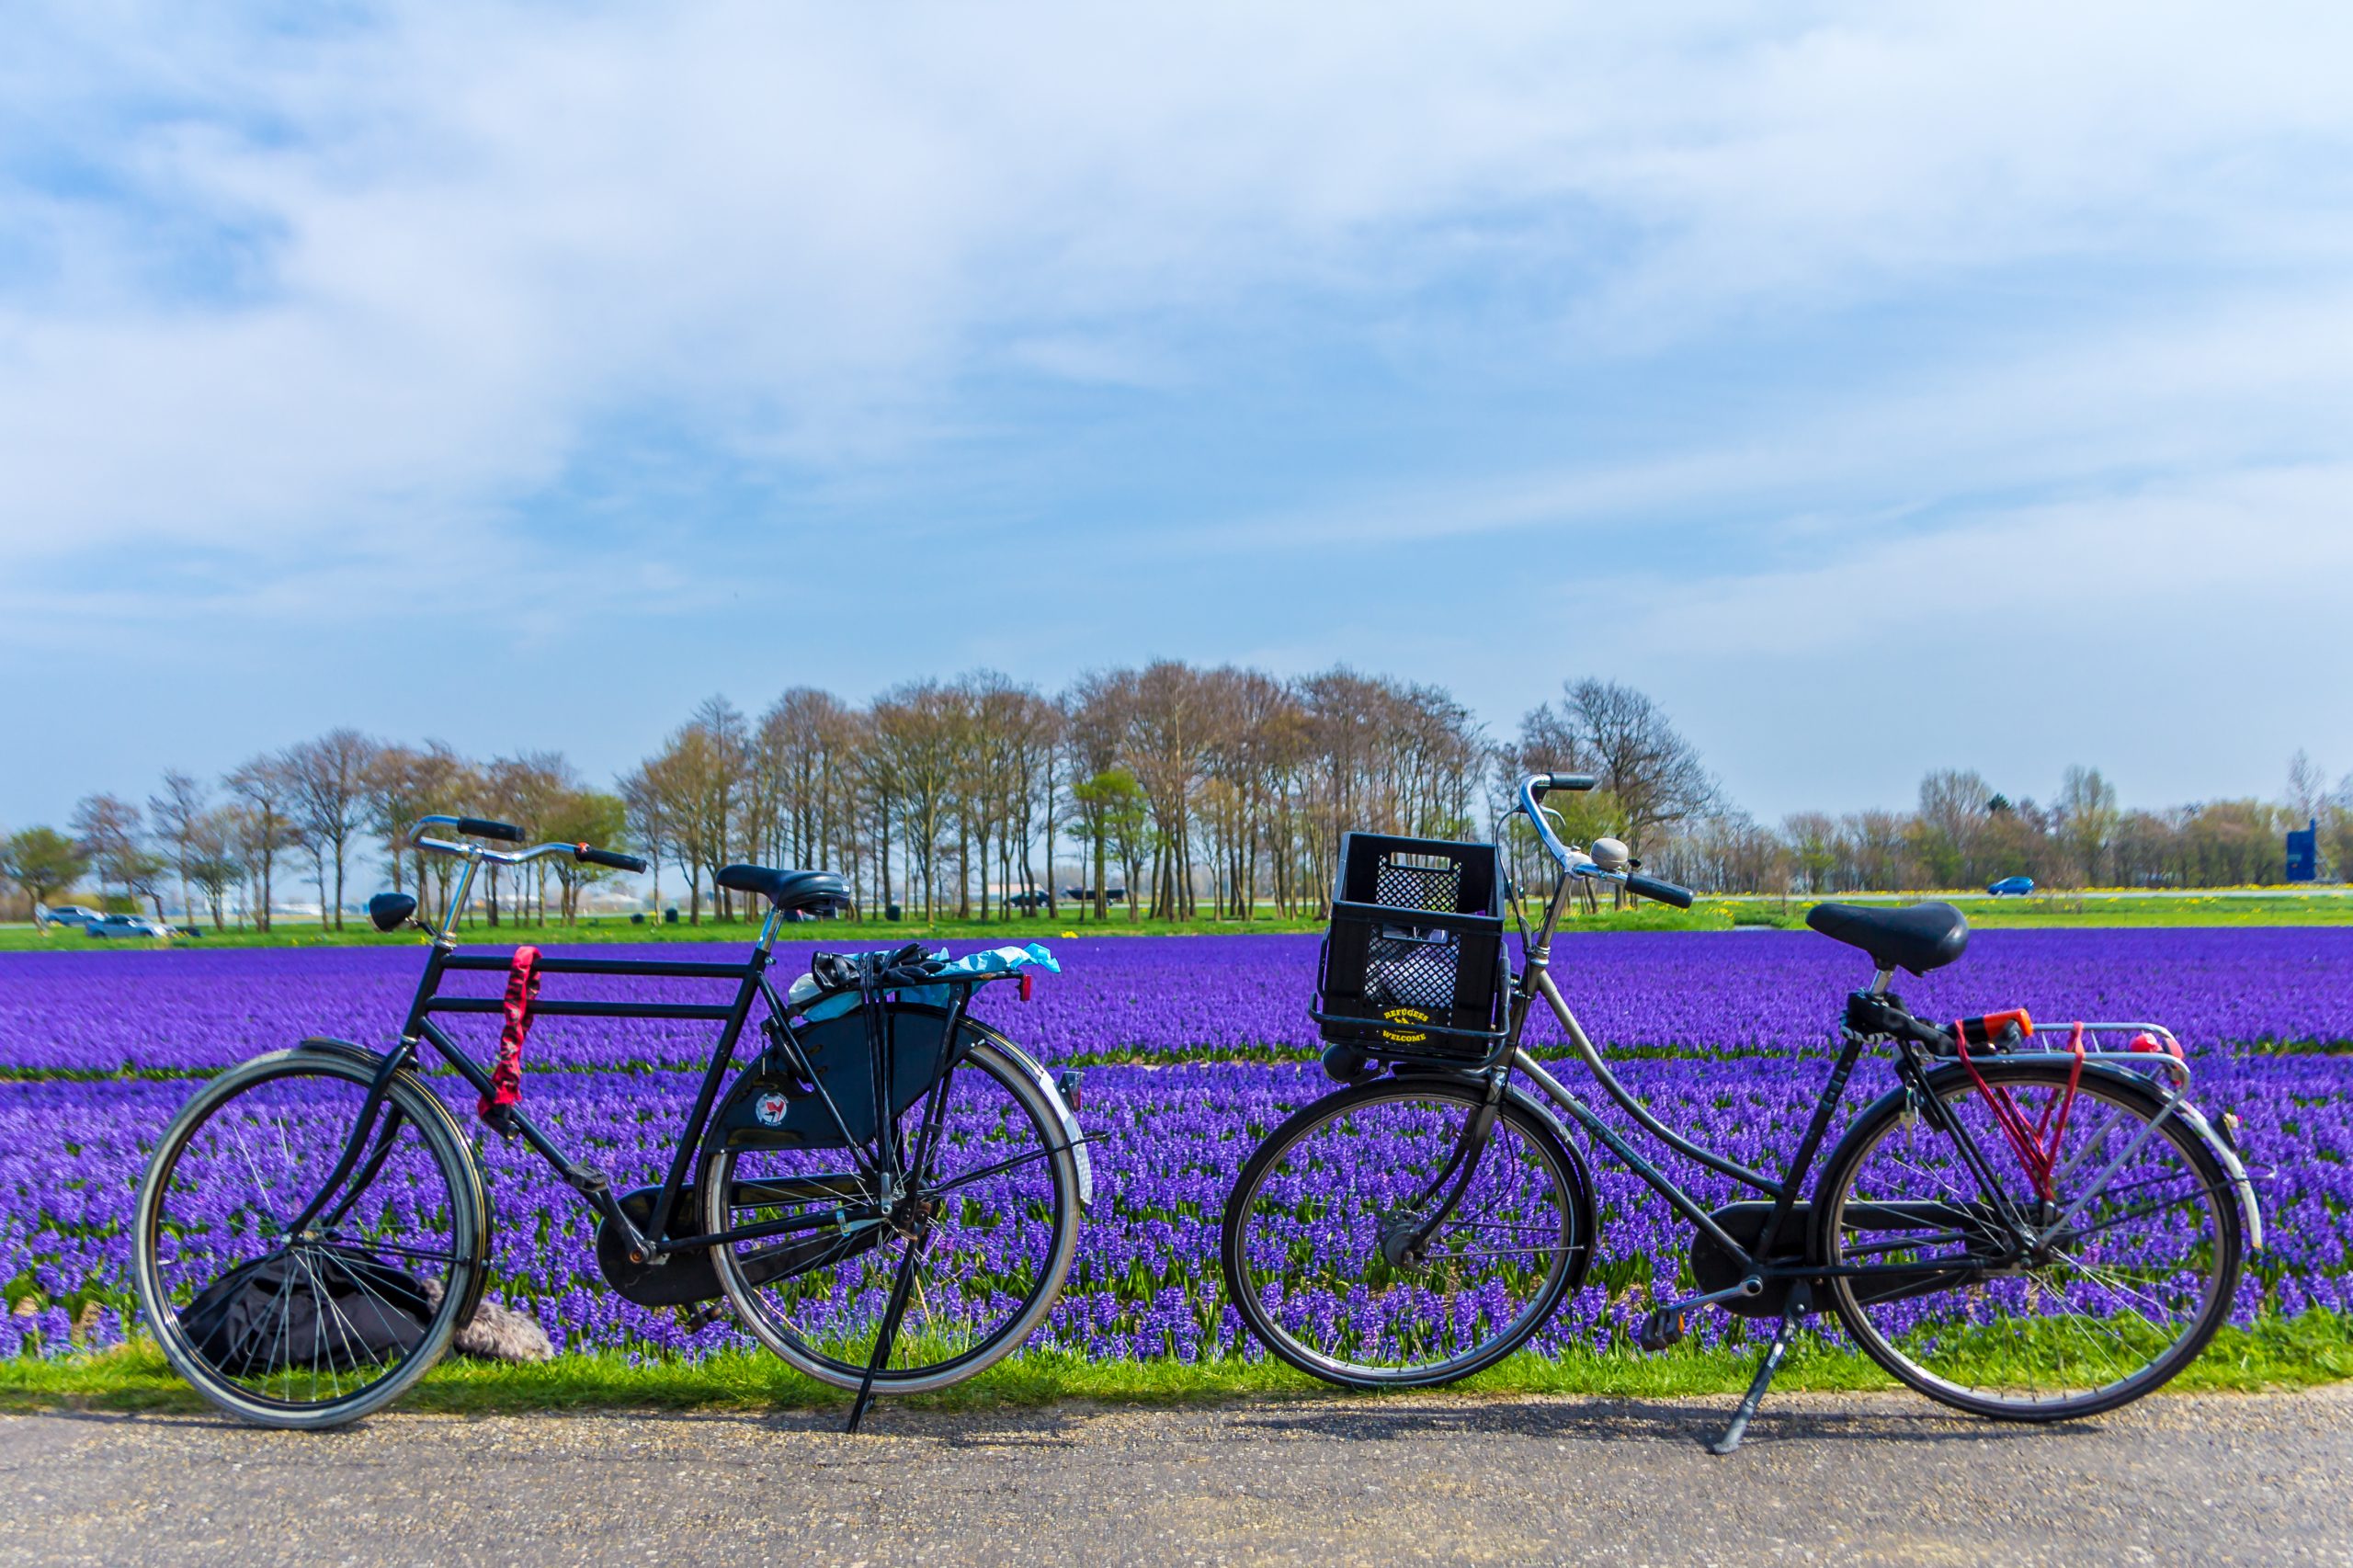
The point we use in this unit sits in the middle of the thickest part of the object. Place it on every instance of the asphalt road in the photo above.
(1844, 1478)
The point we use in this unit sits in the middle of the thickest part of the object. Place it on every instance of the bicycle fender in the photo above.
(1053, 1093)
(329, 1046)
(2233, 1166)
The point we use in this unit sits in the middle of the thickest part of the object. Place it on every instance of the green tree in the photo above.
(584, 816)
(41, 861)
(1112, 812)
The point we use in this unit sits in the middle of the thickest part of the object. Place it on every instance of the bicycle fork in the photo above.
(1403, 1245)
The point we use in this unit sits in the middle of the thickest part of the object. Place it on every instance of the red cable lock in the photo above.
(2036, 1143)
(507, 1077)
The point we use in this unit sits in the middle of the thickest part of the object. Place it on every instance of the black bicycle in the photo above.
(2023, 1233)
(888, 1196)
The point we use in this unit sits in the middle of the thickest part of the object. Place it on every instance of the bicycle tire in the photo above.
(1568, 1253)
(461, 1180)
(1012, 1071)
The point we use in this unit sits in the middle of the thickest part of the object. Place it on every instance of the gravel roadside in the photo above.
(1845, 1477)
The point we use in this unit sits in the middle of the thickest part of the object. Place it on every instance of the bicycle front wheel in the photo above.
(1341, 1256)
(2125, 1269)
(991, 1227)
(306, 1322)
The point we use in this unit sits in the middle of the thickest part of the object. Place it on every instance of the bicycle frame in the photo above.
(654, 1243)
(1534, 981)
(1912, 1068)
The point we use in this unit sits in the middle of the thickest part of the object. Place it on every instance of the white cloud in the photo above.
(473, 235)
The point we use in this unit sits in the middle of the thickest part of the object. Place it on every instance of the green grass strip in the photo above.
(2314, 1348)
(2042, 910)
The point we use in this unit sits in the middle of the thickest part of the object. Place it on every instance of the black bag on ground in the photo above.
(323, 1311)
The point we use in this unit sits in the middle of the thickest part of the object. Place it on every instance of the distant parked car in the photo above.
(1086, 895)
(1036, 899)
(109, 926)
(69, 914)
(187, 930)
(2012, 887)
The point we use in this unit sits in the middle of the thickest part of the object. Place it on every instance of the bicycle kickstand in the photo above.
(1801, 1300)
(888, 1337)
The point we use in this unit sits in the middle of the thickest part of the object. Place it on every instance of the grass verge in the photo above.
(2314, 1348)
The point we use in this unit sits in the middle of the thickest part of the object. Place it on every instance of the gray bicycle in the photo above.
(2023, 1233)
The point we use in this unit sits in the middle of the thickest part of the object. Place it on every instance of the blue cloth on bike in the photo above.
(992, 961)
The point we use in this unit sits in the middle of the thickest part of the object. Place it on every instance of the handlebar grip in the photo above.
(1549, 781)
(611, 858)
(1666, 892)
(480, 829)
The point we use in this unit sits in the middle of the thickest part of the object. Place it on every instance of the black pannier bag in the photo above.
(324, 1311)
(1414, 965)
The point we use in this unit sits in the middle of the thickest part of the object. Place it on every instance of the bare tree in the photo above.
(265, 826)
(212, 864)
(330, 779)
(1955, 806)
(1639, 756)
(113, 839)
(1097, 709)
(915, 731)
(176, 815)
(2307, 794)
(2088, 818)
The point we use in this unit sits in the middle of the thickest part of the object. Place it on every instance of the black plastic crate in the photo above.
(1413, 963)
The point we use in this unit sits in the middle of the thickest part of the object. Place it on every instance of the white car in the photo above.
(68, 915)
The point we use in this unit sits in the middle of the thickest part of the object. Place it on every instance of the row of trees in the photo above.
(1182, 790)
(1175, 790)
(324, 806)
(1965, 832)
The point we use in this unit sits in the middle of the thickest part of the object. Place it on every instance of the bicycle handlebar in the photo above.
(583, 854)
(1652, 887)
(1548, 781)
(1576, 862)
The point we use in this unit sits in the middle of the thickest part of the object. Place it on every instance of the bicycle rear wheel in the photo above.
(994, 1226)
(2127, 1272)
(1303, 1253)
(313, 1328)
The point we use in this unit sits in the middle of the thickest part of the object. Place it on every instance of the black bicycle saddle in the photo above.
(1919, 936)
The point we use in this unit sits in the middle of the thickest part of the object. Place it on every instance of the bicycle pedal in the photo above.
(1661, 1328)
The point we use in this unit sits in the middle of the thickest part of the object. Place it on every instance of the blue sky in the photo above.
(1881, 388)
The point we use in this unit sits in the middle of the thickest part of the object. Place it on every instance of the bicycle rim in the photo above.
(1304, 1258)
(998, 1227)
(2113, 1301)
(242, 1160)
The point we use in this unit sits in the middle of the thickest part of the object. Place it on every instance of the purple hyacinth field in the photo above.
(1192, 1047)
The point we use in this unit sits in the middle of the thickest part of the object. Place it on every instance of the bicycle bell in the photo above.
(1610, 854)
